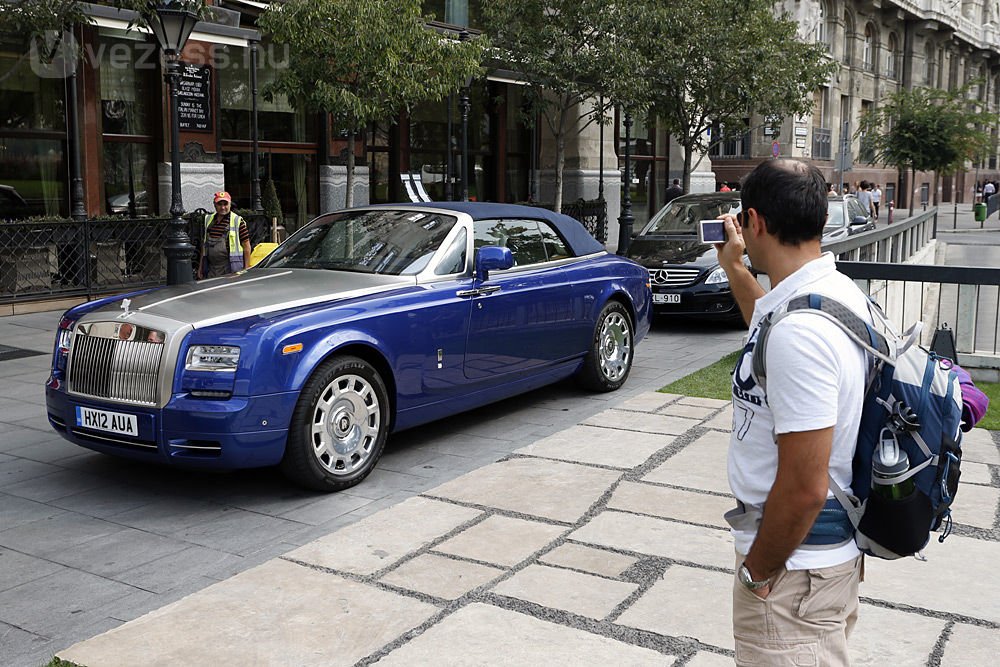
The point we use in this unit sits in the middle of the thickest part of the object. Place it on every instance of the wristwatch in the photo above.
(747, 579)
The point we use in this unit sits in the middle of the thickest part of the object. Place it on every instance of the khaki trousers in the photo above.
(804, 621)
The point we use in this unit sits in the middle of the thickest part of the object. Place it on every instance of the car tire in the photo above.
(609, 360)
(339, 426)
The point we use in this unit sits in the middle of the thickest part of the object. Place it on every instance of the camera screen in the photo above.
(712, 231)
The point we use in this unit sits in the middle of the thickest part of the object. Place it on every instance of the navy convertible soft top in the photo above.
(574, 233)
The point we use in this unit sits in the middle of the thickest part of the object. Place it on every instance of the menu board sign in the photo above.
(194, 101)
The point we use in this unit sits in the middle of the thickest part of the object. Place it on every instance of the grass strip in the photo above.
(715, 381)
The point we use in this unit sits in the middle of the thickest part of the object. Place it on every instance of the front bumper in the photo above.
(705, 301)
(242, 432)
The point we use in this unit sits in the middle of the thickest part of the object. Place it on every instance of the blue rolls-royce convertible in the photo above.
(364, 322)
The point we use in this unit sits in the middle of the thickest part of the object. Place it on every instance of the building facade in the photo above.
(881, 46)
(121, 104)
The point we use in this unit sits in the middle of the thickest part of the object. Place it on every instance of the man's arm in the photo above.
(796, 498)
(746, 289)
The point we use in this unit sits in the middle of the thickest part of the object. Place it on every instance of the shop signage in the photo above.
(194, 100)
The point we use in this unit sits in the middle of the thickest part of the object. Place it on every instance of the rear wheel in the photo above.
(339, 426)
(609, 361)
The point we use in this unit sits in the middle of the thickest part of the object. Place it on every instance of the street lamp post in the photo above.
(625, 220)
(258, 208)
(464, 105)
(172, 25)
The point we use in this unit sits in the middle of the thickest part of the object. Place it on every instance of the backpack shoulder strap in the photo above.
(854, 326)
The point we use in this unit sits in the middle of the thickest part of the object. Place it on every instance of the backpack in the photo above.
(913, 401)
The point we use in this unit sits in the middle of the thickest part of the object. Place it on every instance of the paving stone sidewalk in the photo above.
(602, 544)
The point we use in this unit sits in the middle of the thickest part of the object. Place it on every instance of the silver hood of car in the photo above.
(253, 292)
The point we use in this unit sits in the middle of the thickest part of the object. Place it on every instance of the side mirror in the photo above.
(859, 220)
(492, 258)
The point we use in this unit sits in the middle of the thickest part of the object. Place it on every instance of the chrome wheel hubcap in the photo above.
(615, 347)
(345, 424)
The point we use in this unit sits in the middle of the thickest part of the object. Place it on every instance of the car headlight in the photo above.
(213, 358)
(717, 277)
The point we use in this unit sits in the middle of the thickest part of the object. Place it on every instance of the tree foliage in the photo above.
(364, 60)
(718, 62)
(570, 52)
(928, 129)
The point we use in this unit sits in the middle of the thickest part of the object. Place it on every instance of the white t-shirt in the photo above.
(815, 379)
(877, 195)
(865, 199)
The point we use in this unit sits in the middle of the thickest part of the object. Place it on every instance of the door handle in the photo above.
(479, 291)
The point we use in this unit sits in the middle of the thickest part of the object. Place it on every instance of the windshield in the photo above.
(681, 217)
(384, 242)
(834, 217)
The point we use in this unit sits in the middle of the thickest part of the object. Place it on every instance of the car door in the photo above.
(531, 315)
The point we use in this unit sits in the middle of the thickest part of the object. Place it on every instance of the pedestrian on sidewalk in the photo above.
(673, 192)
(865, 198)
(225, 247)
(876, 198)
(791, 596)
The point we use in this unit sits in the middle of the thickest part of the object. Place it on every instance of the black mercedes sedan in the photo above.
(685, 274)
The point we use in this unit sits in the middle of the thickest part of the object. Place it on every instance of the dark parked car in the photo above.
(685, 274)
(119, 204)
(12, 204)
(364, 322)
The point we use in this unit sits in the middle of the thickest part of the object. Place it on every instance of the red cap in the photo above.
(222, 196)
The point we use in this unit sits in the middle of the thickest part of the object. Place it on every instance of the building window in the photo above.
(460, 13)
(868, 52)
(127, 120)
(892, 56)
(822, 30)
(848, 38)
(866, 152)
(929, 63)
(287, 136)
(32, 139)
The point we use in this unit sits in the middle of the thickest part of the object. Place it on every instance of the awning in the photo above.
(213, 33)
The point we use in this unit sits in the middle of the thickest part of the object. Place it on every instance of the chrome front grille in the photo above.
(109, 367)
(673, 277)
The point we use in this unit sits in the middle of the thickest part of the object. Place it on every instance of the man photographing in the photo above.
(794, 602)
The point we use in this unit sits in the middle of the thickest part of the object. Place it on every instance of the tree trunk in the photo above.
(913, 181)
(560, 163)
(687, 170)
(349, 195)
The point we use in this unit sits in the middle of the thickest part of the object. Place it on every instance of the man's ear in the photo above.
(756, 222)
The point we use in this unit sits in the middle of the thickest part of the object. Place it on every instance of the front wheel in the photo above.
(339, 426)
(607, 364)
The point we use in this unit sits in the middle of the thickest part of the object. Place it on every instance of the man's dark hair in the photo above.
(677, 181)
(791, 197)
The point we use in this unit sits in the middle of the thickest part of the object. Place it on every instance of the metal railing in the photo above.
(592, 213)
(40, 260)
(964, 298)
(893, 243)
